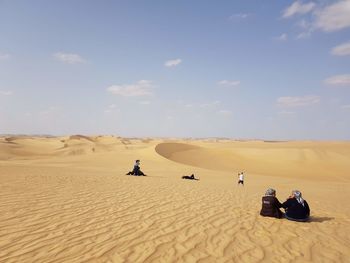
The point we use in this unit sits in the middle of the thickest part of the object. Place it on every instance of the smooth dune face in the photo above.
(169, 149)
(68, 199)
(307, 160)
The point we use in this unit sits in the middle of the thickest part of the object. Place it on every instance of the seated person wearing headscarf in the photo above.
(297, 209)
(136, 171)
(271, 205)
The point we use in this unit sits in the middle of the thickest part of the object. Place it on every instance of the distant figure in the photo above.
(297, 209)
(270, 204)
(241, 178)
(136, 171)
(189, 177)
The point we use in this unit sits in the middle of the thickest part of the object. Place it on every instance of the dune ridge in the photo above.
(62, 207)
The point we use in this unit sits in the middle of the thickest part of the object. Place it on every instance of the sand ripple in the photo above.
(84, 209)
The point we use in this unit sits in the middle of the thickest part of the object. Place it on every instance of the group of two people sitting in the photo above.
(296, 208)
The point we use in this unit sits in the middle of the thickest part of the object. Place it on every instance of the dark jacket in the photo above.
(136, 170)
(270, 207)
(296, 210)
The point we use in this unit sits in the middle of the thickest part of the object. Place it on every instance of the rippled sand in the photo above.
(68, 200)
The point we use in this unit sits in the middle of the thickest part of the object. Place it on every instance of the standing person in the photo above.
(241, 178)
(297, 209)
(270, 204)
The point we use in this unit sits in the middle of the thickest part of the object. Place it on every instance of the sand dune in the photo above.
(294, 159)
(67, 199)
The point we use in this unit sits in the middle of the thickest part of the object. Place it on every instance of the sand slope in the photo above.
(296, 159)
(68, 200)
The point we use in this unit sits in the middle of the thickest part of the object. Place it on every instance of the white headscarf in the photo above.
(270, 192)
(297, 195)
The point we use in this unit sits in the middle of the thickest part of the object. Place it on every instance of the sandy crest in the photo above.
(68, 200)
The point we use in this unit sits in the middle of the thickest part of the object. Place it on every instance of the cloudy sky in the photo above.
(241, 69)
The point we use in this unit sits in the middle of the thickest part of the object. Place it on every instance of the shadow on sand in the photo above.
(320, 219)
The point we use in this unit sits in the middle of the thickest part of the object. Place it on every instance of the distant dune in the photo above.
(294, 159)
(67, 199)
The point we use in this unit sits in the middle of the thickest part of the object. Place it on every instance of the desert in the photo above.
(175, 131)
(67, 199)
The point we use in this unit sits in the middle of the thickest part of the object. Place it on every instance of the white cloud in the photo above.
(140, 88)
(328, 18)
(112, 108)
(225, 112)
(189, 105)
(298, 8)
(346, 107)
(339, 80)
(6, 92)
(303, 23)
(4, 56)
(229, 83)
(341, 50)
(69, 58)
(145, 102)
(210, 104)
(172, 63)
(298, 101)
(333, 17)
(307, 28)
(282, 37)
(305, 34)
(239, 16)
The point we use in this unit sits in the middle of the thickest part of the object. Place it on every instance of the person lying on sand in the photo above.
(189, 177)
(297, 209)
(270, 204)
(136, 171)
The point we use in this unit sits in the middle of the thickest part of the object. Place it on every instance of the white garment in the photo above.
(241, 177)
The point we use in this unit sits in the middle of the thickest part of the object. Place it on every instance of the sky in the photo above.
(250, 69)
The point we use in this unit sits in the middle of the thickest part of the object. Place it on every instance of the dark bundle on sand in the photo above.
(189, 177)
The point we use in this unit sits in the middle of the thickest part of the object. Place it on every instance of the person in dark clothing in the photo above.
(270, 205)
(297, 209)
(136, 171)
(189, 177)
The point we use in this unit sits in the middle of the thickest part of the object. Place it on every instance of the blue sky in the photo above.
(239, 69)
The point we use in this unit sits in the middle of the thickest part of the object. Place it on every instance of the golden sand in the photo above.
(68, 199)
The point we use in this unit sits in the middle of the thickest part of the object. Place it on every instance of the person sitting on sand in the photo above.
(297, 209)
(189, 177)
(136, 171)
(270, 204)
